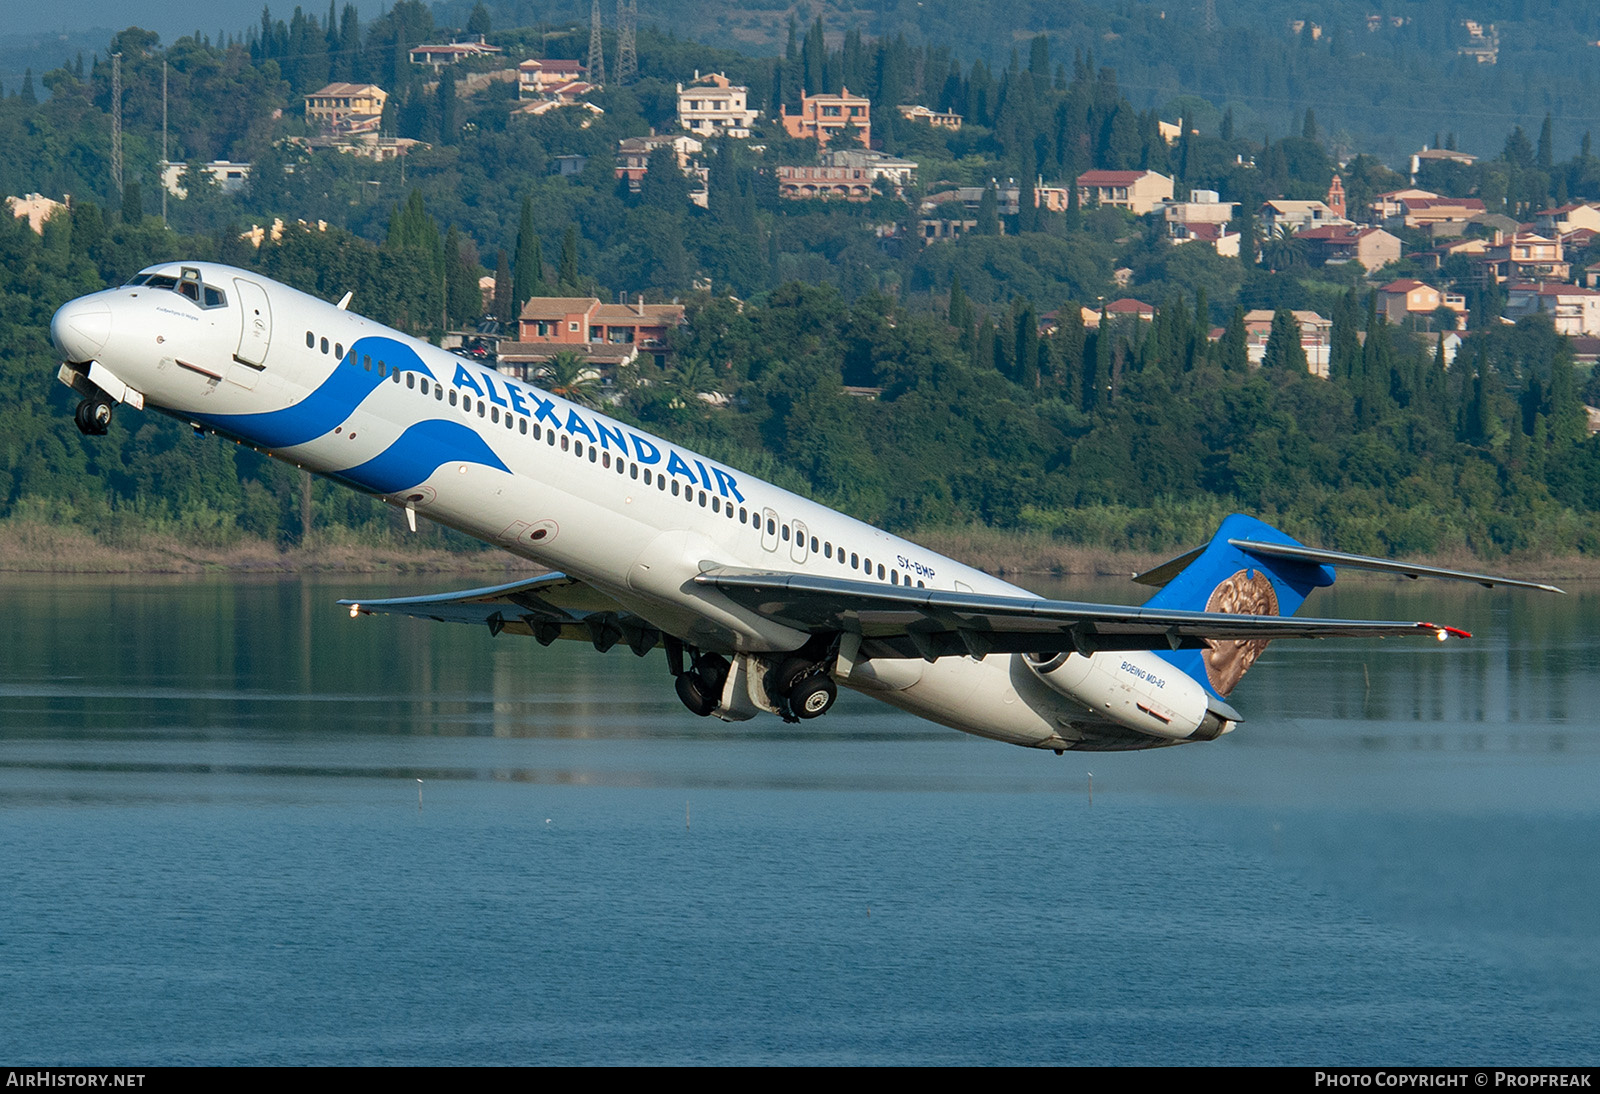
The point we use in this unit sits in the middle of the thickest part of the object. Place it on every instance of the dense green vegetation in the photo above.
(1135, 435)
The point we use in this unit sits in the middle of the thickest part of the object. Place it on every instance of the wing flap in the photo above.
(902, 621)
(547, 608)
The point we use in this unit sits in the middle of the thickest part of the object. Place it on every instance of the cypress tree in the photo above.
(528, 280)
(569, 258)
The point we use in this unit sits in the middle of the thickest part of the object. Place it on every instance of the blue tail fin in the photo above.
(1222, 578)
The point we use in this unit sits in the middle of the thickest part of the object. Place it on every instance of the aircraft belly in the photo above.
(995, 698)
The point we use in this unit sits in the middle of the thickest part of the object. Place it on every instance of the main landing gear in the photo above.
(94, 416)
(797, 688)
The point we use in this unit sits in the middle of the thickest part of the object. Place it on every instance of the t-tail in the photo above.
(1251, 568)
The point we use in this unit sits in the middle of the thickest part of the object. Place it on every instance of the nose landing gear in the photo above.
(93, 416)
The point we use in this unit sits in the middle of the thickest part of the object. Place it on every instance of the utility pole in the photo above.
(627, 56)
(597, 54)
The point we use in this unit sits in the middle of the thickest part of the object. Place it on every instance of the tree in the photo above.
(570, 376)
(528, 280)
(1284, 352)
(989, 211)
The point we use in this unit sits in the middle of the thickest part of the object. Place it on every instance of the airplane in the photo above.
(765, 602)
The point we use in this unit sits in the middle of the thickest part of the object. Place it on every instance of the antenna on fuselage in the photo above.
(344, 301)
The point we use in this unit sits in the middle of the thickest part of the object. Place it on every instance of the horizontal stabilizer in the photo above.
(1381, 565)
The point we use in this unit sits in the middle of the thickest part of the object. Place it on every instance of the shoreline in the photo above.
(38, 548)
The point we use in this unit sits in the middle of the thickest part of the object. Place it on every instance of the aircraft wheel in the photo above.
(93, 417)
(788, 673)
(692, 690)
(812, 698)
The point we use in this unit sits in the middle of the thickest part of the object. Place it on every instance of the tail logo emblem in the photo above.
(1228, 659)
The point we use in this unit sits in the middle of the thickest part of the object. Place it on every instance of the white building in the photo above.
(711, 105)
(231, 177)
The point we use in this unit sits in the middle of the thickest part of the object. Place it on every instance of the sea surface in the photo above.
(239, 827)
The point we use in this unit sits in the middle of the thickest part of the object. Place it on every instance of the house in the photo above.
(633, 156)
(36, 208)
(1573, 309)
(1392, 203)
(1525, 256)
(711, 105)
(1335, 245)
(1128, 307)
(1439, 216)
(824, 116)
(1316, 338)
(1139, 192)
(939, 119)
(937, 229)
(231, 177)
(1287, 217)
(1216, 236)
(1439, 155)
(1406, 299)
(1569, 218)
(547, 324)
(1203, 218)
(849, 173)
(537, 78)
(1203, 207)
(437, 56)
(341, 110)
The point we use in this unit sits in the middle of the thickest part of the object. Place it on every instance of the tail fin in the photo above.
(1222, 577)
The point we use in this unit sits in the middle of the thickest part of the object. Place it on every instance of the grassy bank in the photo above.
(32, 546)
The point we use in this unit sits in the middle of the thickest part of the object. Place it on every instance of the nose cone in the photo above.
(81, 328)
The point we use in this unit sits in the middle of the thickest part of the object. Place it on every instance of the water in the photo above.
(211, 851)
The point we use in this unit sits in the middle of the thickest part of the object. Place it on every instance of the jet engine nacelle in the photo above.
(1137, 690)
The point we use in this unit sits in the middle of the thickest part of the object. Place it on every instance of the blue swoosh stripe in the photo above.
(417, 453)
(346, 388)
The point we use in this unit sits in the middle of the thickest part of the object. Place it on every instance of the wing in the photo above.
(901, 621)
(549, 607)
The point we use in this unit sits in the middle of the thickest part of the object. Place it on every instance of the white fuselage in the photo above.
(631, 514)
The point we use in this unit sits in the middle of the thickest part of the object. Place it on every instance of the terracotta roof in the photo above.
(556, 307)
(1111, 178)
(1129, 306)
(1404, 285)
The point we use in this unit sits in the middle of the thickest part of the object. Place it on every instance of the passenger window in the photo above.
(772, 526)
(813, 544)
(577, 449)
(324, 345)
(452, 397)
(674, 487)
(633, 471)
(338, 350)
(366, 361)
(880, 571)
(495, 416)
(594, 454)
(480, 408)
(855, 561)
(438, 393)
(311, 340)
(716, 505)
(564, 443)
(702, 499)
(785, 533)
(522, 426)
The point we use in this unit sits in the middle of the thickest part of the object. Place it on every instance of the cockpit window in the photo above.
(188, 285)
